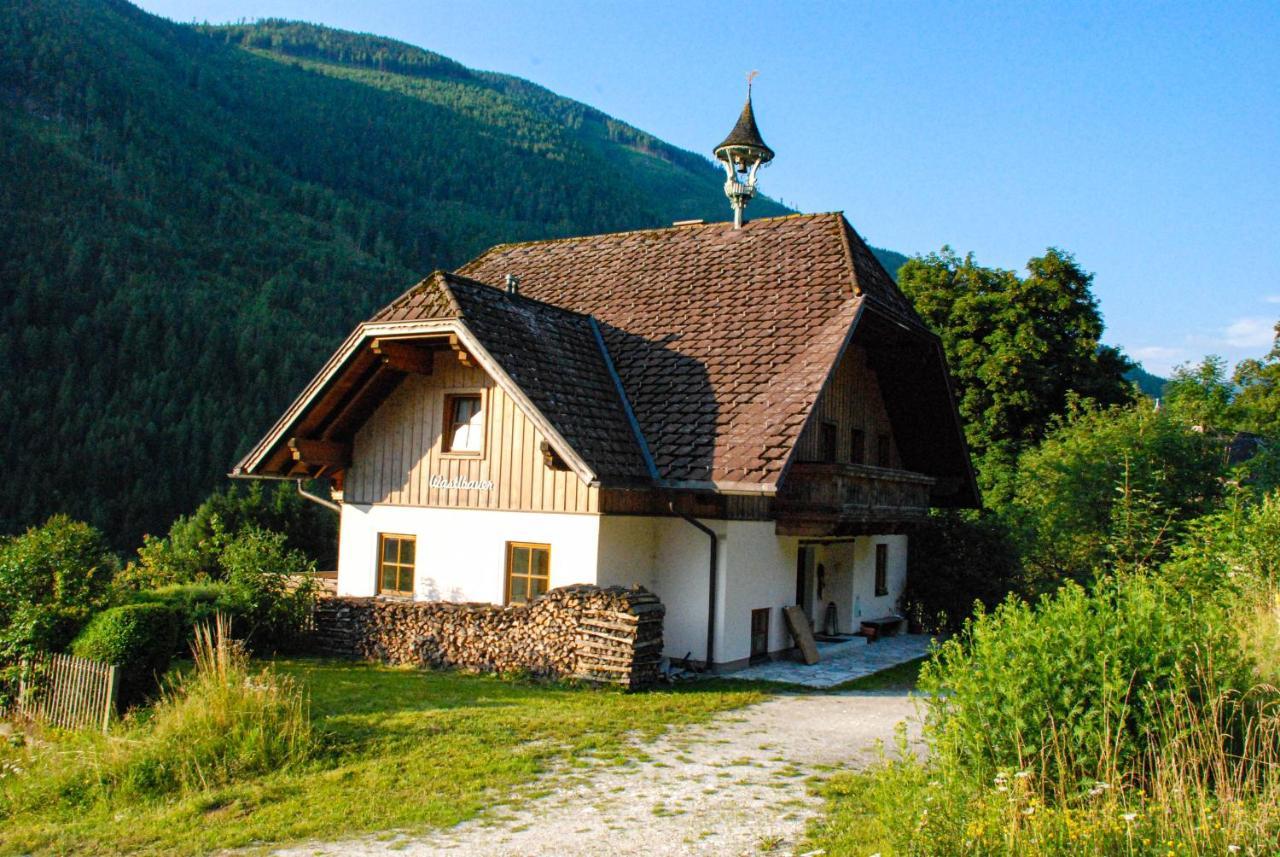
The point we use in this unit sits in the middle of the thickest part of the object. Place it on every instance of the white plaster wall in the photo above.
(760, 572)
(461, 553)
(866, 604)
(680, 560)
(628, 547)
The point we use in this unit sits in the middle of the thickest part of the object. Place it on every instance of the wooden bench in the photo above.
(885, 626)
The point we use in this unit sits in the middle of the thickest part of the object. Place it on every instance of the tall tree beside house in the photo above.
(1018, 346)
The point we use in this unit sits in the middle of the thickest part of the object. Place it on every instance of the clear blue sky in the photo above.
(1144, 138)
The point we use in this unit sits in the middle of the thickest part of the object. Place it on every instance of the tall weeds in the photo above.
(220, 722)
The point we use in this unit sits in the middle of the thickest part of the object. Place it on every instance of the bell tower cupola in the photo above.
(743, 152)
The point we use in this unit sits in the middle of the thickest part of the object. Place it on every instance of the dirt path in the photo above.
(734, 786)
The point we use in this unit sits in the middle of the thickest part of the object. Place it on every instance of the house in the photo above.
(738, 416)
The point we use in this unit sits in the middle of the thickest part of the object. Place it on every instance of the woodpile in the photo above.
(611, 635)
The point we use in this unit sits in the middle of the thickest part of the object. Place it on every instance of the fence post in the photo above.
(24, 666)
(113, 690)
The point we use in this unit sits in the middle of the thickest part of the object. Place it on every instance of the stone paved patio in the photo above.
(843, 667)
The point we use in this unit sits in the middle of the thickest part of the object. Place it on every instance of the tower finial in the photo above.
(743, 152)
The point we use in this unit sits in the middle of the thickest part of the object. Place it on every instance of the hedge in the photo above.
(139, 638)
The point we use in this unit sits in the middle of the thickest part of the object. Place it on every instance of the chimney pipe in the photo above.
(513, 284)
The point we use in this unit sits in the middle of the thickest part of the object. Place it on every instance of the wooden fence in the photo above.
(67, 691)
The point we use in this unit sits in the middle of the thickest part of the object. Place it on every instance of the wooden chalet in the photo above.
(738, 416)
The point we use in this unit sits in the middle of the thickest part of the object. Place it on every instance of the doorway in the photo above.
(805, 561)
(759, 635)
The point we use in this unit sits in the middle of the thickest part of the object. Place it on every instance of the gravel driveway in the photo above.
(736, 785)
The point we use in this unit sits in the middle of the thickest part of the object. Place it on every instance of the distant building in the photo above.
(738, 416)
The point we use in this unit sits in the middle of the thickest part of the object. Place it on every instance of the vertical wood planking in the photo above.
(400, 448)
(851, 400)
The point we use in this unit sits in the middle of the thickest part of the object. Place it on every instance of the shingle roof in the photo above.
(551, 353)
(723, 338)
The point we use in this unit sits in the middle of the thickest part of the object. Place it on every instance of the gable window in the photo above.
(882, 569)
(858, 447)
(883, 457)
(463, 423)
(395, 564)
(829, 442)
(528, 571)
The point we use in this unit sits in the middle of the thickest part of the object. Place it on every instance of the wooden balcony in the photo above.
(849, 499)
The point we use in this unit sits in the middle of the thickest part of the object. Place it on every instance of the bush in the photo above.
(1111, 488)
(193, 604)
(1234, 551)
(192, 551)
(1079, 682)
(139, 638)
(273, 588)
(957, 559)
(51, 579)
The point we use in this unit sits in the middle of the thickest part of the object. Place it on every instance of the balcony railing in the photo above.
(836, 499)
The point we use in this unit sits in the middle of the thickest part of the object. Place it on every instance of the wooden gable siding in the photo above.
(851, 400)
(399, 449)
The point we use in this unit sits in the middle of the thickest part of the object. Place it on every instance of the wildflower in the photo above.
(1029, 810)
(1002, 788)
(1233, 848)
(1129, 816)
(1022, 775)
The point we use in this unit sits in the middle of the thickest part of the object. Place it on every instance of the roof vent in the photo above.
(513, 284)
(697, 221)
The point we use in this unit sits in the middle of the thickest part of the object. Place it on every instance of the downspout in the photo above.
(711, 579)
(328, 504)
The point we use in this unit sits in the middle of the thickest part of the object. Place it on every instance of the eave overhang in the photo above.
(355, 363)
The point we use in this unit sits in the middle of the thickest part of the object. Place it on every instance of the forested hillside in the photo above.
(192, 218)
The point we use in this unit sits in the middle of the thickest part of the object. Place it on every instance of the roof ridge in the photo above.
(509, 245)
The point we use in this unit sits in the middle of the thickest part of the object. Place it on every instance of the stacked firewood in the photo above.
(609, 635)
(621, 643)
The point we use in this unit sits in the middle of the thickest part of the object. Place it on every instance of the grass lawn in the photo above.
(406, 749)
(902, 677)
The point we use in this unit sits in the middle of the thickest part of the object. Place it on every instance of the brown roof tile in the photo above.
(722, 338)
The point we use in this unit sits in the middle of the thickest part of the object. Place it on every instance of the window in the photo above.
(463, 423)
(882, 569)
(883, 457)
(829, 441)
(858, 447)
(528, 571)
(395, 564)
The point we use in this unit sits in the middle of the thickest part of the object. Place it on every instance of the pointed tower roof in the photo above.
(745, 133)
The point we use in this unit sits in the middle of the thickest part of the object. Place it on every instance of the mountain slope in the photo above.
(191, 218)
